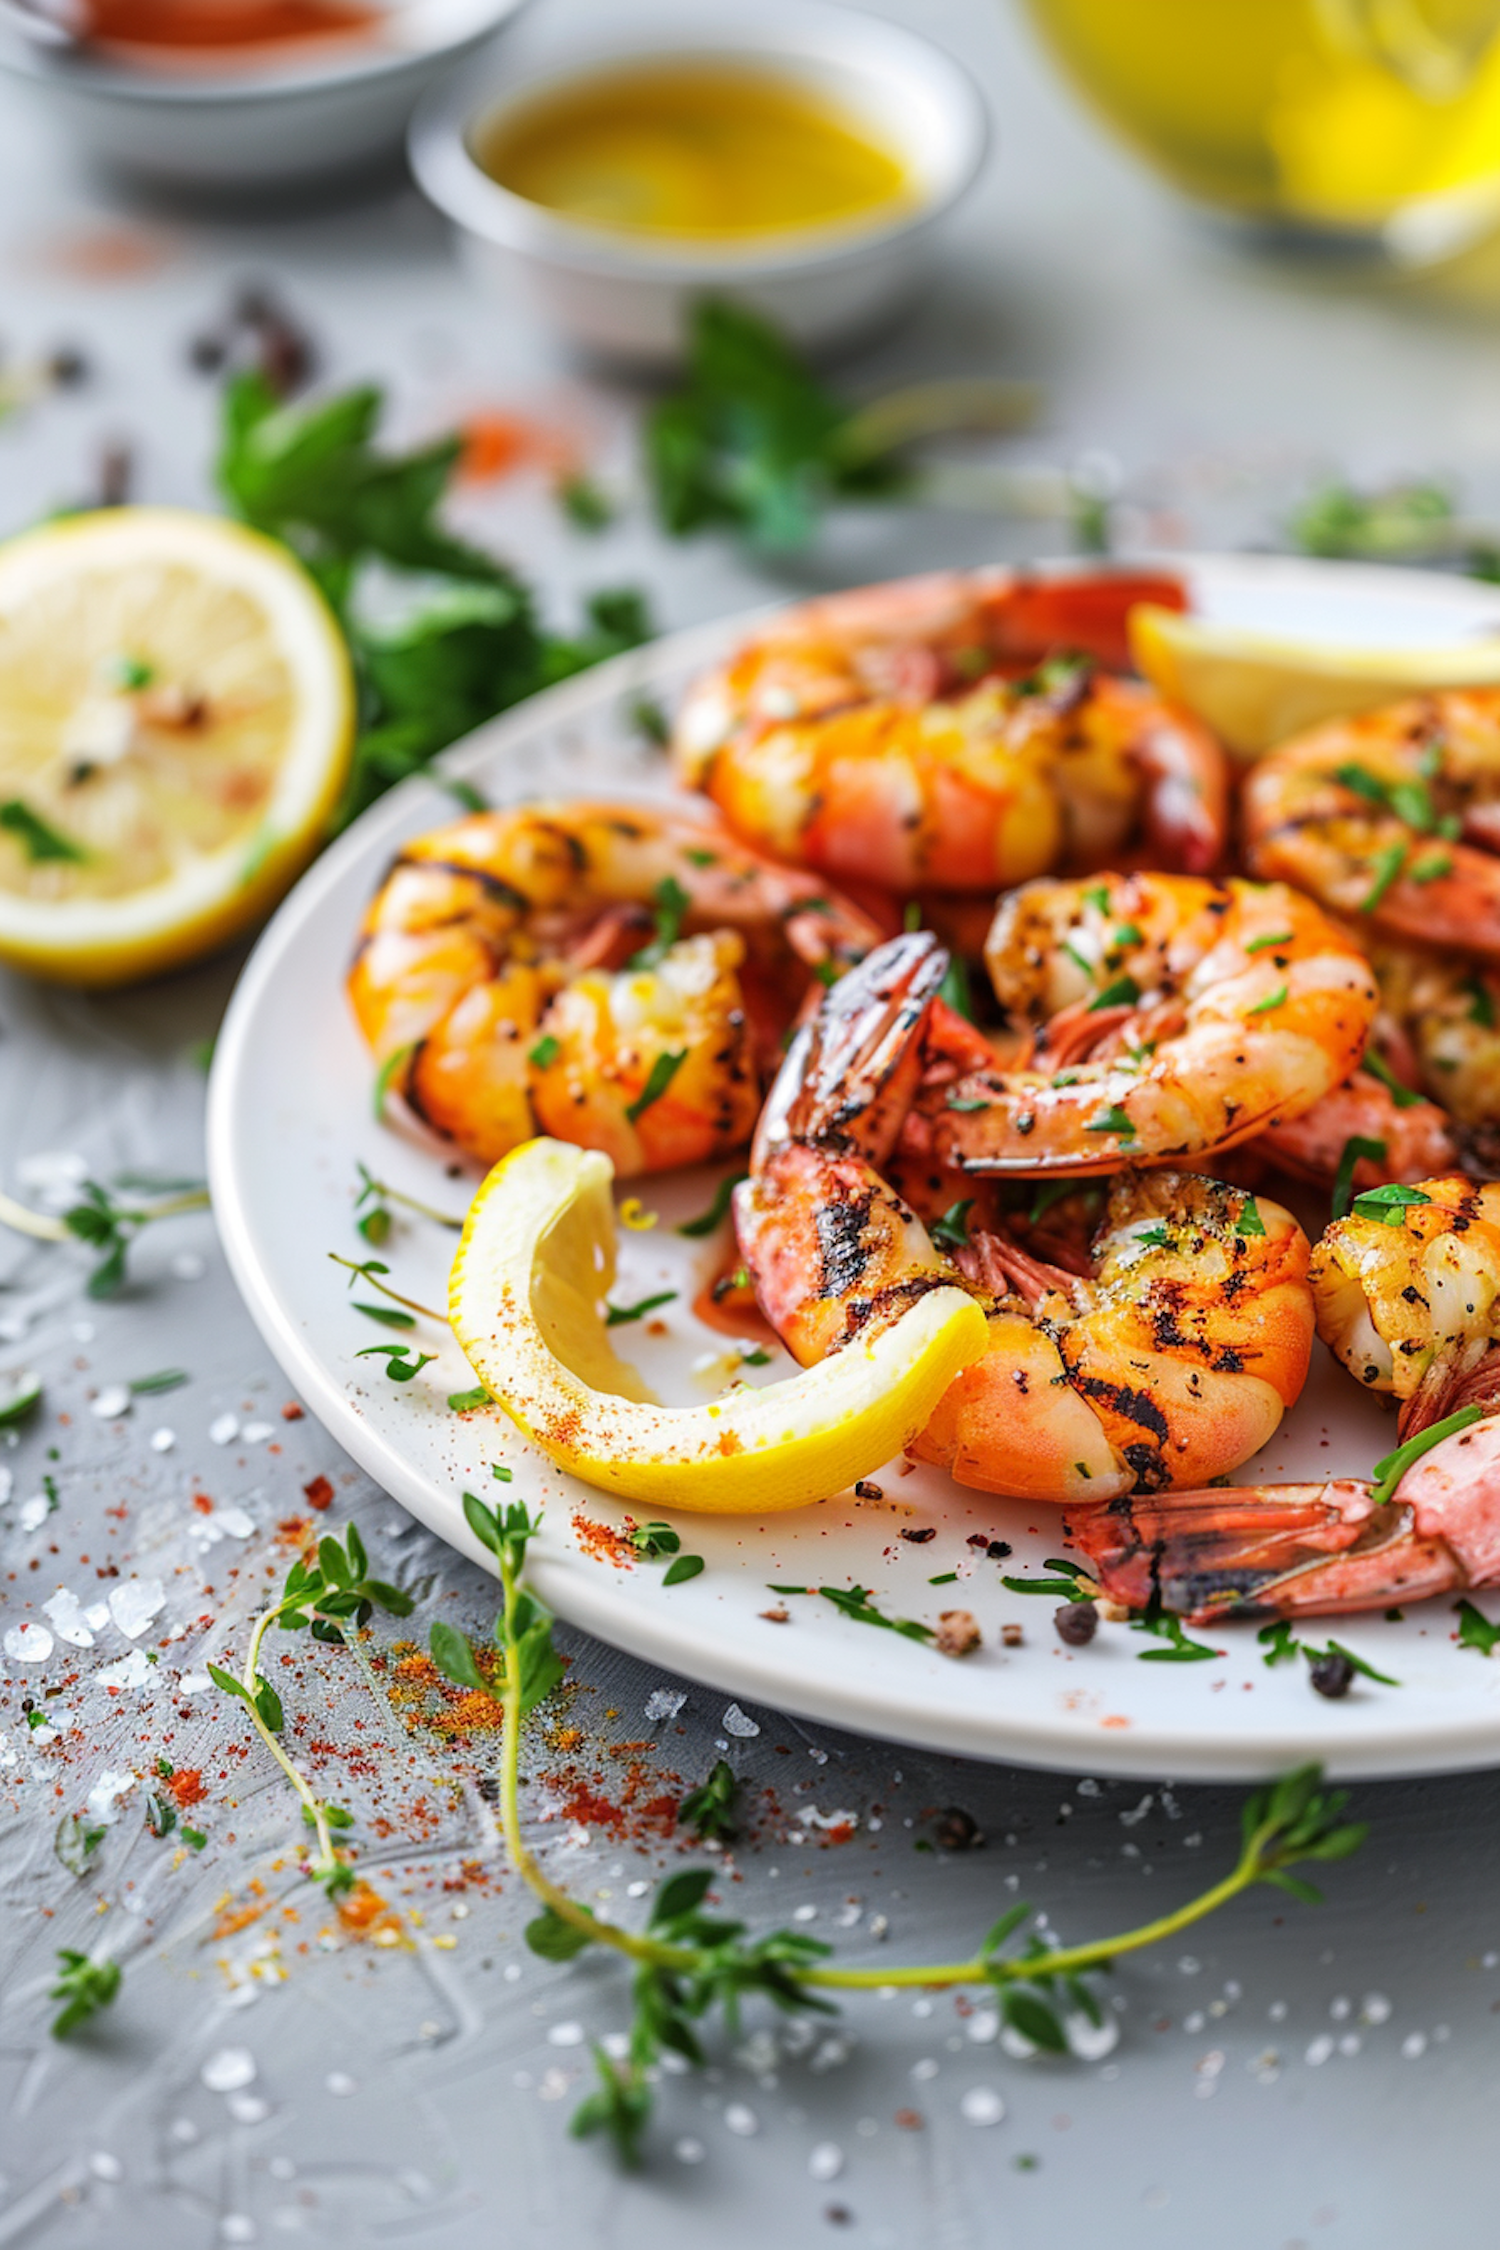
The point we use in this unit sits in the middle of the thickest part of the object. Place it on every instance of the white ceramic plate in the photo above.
(289, 1113)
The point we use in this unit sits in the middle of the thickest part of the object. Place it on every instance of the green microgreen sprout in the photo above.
(660, 1076)
(708, 1810)
(373, 1202)
(372, 1272)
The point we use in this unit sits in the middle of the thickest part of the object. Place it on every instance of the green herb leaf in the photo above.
(1356, 1147)
(84, 1986)
(467, 1402)
(855, 1603)
(555, 1939)
(1278, 1641)
(1387, 1473)
(1111, 1120)
(1276, 999)
(1385, 866)
(951, 1231)
(967, 1104)
(672, 904)
(708, 1810)
(389, 1071)
(652, 1541)
(616, 1316)
(684, 1567)
(1123, 993)
(1378, 1067)
(1475, 1630)
(399, 1368)
(389, 1316)
(1264, 944)
(1180, 1649)
(1387, 1203)
(660, 1076)
(1337, 1648)
(37, 838)
(1250, 1221)
(545, 1053)
(586, 507)
(455, 1659)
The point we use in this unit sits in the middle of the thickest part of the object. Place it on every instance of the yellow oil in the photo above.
(695, 151)
(1335, 112)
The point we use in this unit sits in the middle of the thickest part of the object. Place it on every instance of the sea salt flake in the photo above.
(665, 1702)
(235, 1522)
(1413, 2045)
(1319, 2049)
(1374, 2008)
(1091, 2041)
(740, 2118)
(28, 1644)
(129, 1671)
(33, 1513)
(689, 2151)
(134, 1603)
(736, 1722)
(983, 2027)
(228, 2070)
(981, 2105)
(104, 1798)
(237, 2226)
(112, 1402)
(96, 1616)
(339, 2082)
(826, 2161)
(566, 2035)
(247, 2109)
(224, 1429)
(256, 1433)
(162, 1441)
(104, 2166)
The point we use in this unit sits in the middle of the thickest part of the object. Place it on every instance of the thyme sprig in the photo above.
(373, 1206)
(692, 1964)
(324, 1593)
(105, 1224)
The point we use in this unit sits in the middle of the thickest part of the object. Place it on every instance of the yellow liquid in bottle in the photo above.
(695, 151)
(1338, 113)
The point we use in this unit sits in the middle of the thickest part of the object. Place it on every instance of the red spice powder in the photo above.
(318, 1494)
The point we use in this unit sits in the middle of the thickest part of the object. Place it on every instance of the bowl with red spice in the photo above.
(240, 95)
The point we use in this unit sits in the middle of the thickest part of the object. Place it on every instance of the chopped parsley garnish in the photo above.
(967, 1103)
(1062, 1588)
(1180, 1649)
(653, 1541)
(545, 1053)
(1276, 999)
(1385, 866)
(672, 903)
(1387, 1474)
(1430, 867)
(1356, 1147)
(951, 1231)
(1249, 1220)
(1357, 1663)
(1079, 960)
(685, 1566)
(1264, 944)
(708, 1809)
(1475, 1630)
(1123, 993)
(615, 1316)
(1098, 897)
(36, 837)
(465, 1402)
(1387, 1203)
(1111, 1120)
(662, 1073)
(1378, 1067)
(1278, 1641)
(718, 1211)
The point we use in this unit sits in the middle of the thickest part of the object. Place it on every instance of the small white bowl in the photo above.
(627, 295)
(286, 117)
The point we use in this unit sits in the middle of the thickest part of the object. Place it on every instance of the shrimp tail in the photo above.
(1287, 1550)
(851, 1071)
(1276, 1551)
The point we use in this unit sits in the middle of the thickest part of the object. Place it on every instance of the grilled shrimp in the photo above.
(1383, 1130)
(875, 736)
(1306, 1549)
(1443, 1012)
(1394, 815)
(1172, 1356)
(1408, 1297)
(609, 974)
(1172, 1017)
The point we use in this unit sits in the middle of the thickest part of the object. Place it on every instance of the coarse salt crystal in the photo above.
(28, 1644)
(665, 1703)
(826, 2161)
(1374, 2008)
(736, 1722)
(134, 1604)
(104, 1798)
(131, 1671)
(237, 2226)
(339, 2082)
(66, 1613)
(1414, 2044)
(111, 1403)
(33, 1513)
(741, 2119)
(256, 1433)
(983, 2027)
(162, 1441)
(1319, 2049)
(224, 1429)
(566, 2035)
(228, 2070)
(689, 2151)
(235, 1522)
(1091, 2041)
(104, 2166)
(981, 2105)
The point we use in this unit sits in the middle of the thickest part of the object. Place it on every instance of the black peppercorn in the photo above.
(955, 1830)
(1332, 1675)
(1076, 1622)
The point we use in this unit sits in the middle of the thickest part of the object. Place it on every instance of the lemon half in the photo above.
(176, 722)
(1256, 691)
(536, 1257)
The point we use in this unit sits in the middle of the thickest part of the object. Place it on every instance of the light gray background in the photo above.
(1283, 2077)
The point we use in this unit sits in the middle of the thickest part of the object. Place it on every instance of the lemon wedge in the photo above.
(1256, 691)
(176, 721)
(537, 1255)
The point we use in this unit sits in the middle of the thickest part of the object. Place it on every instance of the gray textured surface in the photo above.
(1280, 2078)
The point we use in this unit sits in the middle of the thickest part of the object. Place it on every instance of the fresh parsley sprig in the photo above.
(84, 1986)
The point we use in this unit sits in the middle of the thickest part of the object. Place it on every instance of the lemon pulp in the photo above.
(176, 716)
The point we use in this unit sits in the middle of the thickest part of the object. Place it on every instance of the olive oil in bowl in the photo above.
(697, 151)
